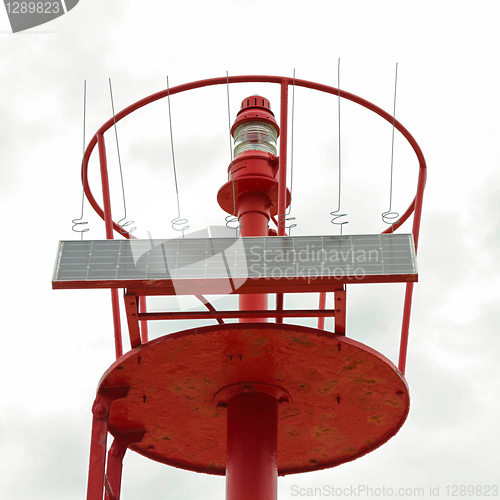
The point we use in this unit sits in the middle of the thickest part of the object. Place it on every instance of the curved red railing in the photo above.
(414, 207)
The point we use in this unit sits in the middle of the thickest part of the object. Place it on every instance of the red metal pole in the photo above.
(282, 178)
(289, 313)
(418, 202)
(253, 211)
(322, 305)
(280, 303)
(252, 418)
(108, 221)
(144, 324)
(252, 441)
(405, 329)
(282, 168)
(97, 463)
(114, 470)
(115, 463)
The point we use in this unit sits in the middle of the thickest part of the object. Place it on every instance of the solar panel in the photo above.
(234, 264)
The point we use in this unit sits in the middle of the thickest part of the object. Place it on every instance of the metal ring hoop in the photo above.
(415, 206)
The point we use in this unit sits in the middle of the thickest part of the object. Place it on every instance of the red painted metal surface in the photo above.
(251, 285)
(210, 307)
(405, 329)
(282, 197)
(115, 304)
(98, 449)
(252, 447)
(257, 398)
(346, 399)
(254, 171)
(284, 82)
(144, 324)
(114, 469)
(340, 311)
(108, 222)
(322, 306)
(280, 302)
(131, 309)
(252, 418)
(100, 413)
(415, 207)
(255, 108)
(246, 314)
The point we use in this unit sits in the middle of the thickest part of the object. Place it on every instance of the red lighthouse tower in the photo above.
(259, 398)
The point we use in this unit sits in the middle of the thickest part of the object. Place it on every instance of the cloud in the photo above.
(51, 449)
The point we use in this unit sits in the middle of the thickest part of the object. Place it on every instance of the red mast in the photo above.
(252, 191)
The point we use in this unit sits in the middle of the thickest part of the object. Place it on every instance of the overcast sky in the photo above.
(57, 344)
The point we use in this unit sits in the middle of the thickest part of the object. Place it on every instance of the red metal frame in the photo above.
(252, 447)
(247, 456)
(108, 221)
(282, 193)
(144, 324)
(214, 286)
(184, 380)
(116, 453)
(131, 303)
(252, 418)
(284, 82)
(245, 314)
(100, 412)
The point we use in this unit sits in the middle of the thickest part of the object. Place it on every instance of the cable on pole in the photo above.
(284, 218)
(231, 219)
(79, 221)
(178, 223)
(336, 213)
(389, 217)
(130, 222)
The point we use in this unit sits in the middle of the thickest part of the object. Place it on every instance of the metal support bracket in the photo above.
(100, 412)
(131, 307)
(113, 478)
(340, 311)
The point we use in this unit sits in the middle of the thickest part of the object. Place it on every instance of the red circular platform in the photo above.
(346, 398)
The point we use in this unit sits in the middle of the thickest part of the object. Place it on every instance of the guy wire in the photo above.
(177, 221)
(123, 231)
(284, 218)
(75, 221)
(389, 217)
(336, 213)
(230, 219)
